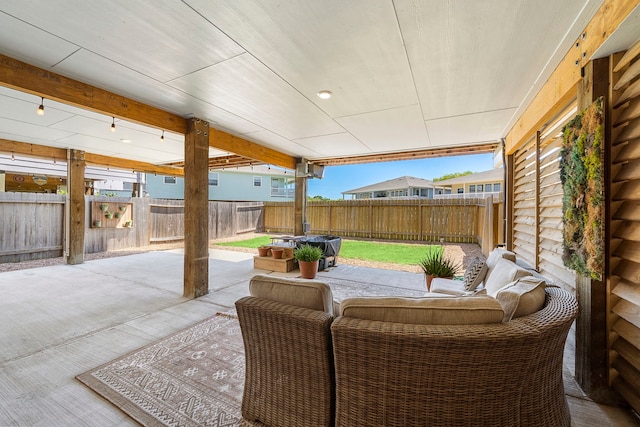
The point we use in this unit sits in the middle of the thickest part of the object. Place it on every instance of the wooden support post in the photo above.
(591, 325)
(196, 209)
(300, 205)
(75, 219)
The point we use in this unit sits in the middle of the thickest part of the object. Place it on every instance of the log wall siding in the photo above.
(624, 278)
(537, 202)
(457, 221)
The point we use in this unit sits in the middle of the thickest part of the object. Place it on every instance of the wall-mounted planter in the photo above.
(111, 214)
(97, 223)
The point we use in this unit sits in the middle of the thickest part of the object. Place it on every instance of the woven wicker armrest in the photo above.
(289, 364)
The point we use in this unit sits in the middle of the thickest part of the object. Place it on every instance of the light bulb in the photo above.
(113, 125)
(40, 110)
(162, 137)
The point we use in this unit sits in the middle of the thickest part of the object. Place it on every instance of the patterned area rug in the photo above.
(192, 378)
(196, 376)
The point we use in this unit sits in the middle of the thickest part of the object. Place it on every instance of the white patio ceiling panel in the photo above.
(495, 63)
(39, 48)
(327, 145)
(470, 128)
(389, 130)
(277, 142)
(244, 87)
(353, 48)
(144, 35)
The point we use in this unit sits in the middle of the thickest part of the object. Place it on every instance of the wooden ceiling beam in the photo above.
(32, 150)
(60, 154)
(226, 142)
(409, 155)
(24, 77)
(561, 87)
(40, 82)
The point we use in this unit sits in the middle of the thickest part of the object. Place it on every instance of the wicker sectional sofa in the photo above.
(384, 361)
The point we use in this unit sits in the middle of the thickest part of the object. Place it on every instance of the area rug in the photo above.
(195, 377)
(192, 378)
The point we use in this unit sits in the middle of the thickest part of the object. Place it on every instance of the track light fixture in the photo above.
(162, 137)
(113, 124)
(40, 110)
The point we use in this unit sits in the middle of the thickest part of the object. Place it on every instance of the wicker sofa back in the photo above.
(501, 374)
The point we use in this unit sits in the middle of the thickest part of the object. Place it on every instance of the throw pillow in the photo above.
(476, 271)
(522, 297)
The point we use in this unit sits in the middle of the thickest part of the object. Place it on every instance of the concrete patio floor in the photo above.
(63, 320)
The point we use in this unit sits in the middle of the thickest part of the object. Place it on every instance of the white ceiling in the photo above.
(405, 74)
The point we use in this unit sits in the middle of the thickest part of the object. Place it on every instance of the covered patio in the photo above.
(63, 320)
(225, 85)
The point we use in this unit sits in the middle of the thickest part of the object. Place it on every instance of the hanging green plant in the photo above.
(581, 174)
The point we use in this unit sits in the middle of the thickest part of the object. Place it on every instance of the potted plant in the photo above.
(122, 208)
(104, 207)
(436, 264)
(108, 214)
(263, 251)
(97, 223)
(308, 258)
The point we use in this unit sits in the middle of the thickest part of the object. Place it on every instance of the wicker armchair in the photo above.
(502, 374)
(289, 365)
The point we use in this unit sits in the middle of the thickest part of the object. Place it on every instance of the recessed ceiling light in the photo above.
(125, 140)
(324, 94)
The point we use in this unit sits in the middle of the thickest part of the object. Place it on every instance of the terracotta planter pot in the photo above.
(429, 278)
(263, 251)
(308, 269)
(276, 253)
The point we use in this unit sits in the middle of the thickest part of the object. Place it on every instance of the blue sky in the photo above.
(344, 178)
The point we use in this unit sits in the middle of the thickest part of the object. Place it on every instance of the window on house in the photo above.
(479, 188)
(460, 190)
(472, 189)
(281, 187)
(257, 181)
(496, 187)
(169, 179)
(213, 179)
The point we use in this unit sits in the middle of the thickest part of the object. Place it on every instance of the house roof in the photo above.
(400, 183)
(492, 175)
(404, 75)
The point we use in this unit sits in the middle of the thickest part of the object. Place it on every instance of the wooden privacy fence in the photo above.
(32, 225)
(450, 220)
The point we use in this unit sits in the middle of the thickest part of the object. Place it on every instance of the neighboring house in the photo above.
(251, 184)
(35, 175)
(479, 184)
(405, 186)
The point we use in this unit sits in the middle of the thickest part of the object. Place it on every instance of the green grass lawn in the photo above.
(355, 249)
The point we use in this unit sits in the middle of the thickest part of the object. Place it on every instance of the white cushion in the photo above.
(522, 297)
(475, 274)
(502, 274)
(497, 254)
(443, 310)
(440, 285)
(298, 292)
